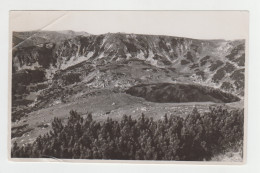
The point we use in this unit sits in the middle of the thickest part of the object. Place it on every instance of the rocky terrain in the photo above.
(57, 71)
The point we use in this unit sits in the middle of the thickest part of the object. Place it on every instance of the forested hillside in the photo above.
(196, 137)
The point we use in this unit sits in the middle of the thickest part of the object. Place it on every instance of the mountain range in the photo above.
(52, 65)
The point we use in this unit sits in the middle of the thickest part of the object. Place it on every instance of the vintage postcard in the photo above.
(128, 86)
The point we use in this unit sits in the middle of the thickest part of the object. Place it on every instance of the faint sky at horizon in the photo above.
(192, 24)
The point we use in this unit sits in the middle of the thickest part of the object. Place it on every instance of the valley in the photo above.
(116, 74)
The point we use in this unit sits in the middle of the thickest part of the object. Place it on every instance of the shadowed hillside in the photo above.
(176, 93)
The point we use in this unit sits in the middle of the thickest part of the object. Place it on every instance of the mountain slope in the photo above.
(179, 93)
(217, 63)
(33, 38)
(51, 65)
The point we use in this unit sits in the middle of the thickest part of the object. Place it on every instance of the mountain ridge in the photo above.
(120, 61)
(183, 54)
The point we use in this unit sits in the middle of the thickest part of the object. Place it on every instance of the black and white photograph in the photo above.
(129, 85)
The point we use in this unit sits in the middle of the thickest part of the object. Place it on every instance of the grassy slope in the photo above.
(102, 105)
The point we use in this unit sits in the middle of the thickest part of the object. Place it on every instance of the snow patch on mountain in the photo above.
(140, 55)
(75, 60)
(151, 59)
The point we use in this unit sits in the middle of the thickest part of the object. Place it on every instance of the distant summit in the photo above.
(31, 38)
